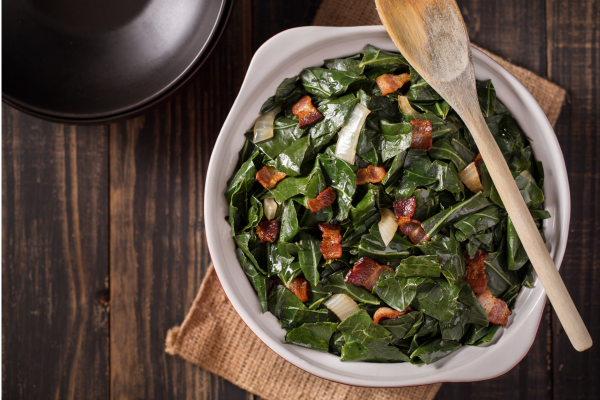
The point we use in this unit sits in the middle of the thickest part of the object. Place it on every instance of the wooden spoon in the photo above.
(431, 34)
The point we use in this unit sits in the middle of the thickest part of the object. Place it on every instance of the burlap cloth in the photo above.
(212, 333)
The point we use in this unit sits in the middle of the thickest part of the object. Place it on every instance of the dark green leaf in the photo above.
(454, 213)
(419, 266)
(443, 150)
(335, 115)
(476, 313)
(289, 222)
(428, 204)
(314, 336)
(437, 299)
(403, 327)
(288, 92)
(396, 138)
(531, 193)
(499, 277)
(372, 246)
(285, 133)
(242, 242)
(435, 350)
(374, 57)
(342, 177)
(326, 82)
(309, 257)
(351, 64)
(398, 292)
(516, 255)
(283, 304)
(449, 256)
(244, 176)
(478, 221)
(289, 187)
(259, 281)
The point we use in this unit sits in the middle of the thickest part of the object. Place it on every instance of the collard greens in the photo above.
(441, 312)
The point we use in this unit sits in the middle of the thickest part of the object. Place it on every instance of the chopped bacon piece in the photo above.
(269, 176)
(300, 287)
(365, 273)
(389, 83)
(496, 309)
(478, 161)
(421, 134)
(324, 199)
(371, 174)
(476, 277)
(414, 231)
(307, 113)
(331, 244)
(404, 210)
(384, 313)
(268, 231)
(405, 207)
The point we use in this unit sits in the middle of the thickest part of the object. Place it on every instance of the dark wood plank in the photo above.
(158, 247)
(573, 62)
(273, 16)
(514, 30)
(54, 259)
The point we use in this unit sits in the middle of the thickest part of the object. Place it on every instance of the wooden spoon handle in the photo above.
(528, 232)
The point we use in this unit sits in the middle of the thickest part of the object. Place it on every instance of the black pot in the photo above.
(96, 61)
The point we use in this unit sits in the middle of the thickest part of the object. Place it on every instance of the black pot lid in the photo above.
(93, 60)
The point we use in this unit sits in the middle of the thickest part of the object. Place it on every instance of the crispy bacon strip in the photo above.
(476, 277)
(331, 244)
(365, 273)
(389, 83)
(269, 176)
(300, 287)
(496, 309)
(384, 313)
(371, 174)
(421, 134)
(307, 113)
(268, 231)
(404, 210)
(324, 199)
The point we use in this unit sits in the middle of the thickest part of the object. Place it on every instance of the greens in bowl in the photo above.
(366, 220)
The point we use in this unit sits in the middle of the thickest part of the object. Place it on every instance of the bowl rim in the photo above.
(213, 195)
(136, 109)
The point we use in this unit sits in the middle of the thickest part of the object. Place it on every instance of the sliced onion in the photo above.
(470, 178)
(341, 305)
(263, 127)
(348, 139)
(388, 225)
(527, 175)
(405, 106)
(270, 208)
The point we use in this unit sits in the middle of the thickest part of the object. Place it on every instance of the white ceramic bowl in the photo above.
(286, 55)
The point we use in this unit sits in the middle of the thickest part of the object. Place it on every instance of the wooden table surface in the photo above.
(103, 242)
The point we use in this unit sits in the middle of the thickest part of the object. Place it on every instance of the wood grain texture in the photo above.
(54, 259)
(573, 62)
(158, 252)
